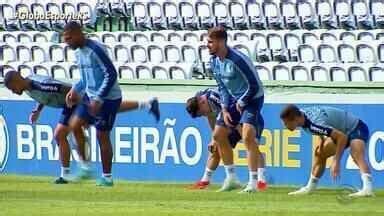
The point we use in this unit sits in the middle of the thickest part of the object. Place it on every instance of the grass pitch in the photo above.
(26, 195)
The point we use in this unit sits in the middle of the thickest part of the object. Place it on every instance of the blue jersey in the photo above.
(236, 77)
(98, 74)
(214, 99)
(321, 120)
(48, 91)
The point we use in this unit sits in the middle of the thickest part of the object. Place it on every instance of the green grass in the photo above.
(25, 195)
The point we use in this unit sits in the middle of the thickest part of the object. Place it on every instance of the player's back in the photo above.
(332, 117)
(48, 91)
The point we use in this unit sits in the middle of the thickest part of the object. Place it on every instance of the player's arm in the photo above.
(36, 113)
(211, 121)
(253, 86)
(109, 73)
(341, 141)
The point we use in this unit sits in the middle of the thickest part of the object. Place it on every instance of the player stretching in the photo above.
(338, 130)
(99, 83)
(207, 103)
(50, 92)
(237, 77)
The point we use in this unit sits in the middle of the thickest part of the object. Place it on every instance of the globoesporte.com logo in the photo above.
(4, 142)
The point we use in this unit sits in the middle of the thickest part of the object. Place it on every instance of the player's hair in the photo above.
(72, 26)
(192, 106)
(218, 32)
(289, 112)
(9, 76)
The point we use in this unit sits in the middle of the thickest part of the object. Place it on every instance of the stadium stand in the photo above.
(304, 40)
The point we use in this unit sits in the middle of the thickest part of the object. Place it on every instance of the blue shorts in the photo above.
(66, 114)
(251, 115)
(361, 132)
(105, 119)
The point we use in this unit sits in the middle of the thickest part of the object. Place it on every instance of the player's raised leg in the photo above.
(151, 105)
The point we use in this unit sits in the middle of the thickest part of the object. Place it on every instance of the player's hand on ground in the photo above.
(34, 116)
(72, 98)
(239, 108)
(335, 170)
(227, 118)
(94, 107)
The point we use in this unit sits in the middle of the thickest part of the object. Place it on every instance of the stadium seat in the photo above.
(8, 53)
(174, 37)
(41, 38)
(338, 73)
(191, 37)
(292, 42)
(23, 53)
(221, 14)
(307, 53)
(38, 7)
(256, 18)
(189, 53)
(282, 72)
(320, 73)
(376, 74)
(326, 15)
(240, 36)
(348, 36)
(289, 14)
(346, 53)
(171, 14)
(9, 37)
(237, 13)
(56, 10)
(139, 53)
(180, 71)
(357, 74)
(140, 16)
(204, 55)
(187, 14)
(155, 53)
(160, 72)
(360, 10)
(377, 10)
(264, 72)
(69, 54)
(307, 14)
(124, 37)
(74, 72)
(204, 14)
(172, 53)
(344, 15)
(327, 53)
(380, 52)
(272, 15)
(301, 73)
(60, 71)
(122, 53)
(366, 36)
(39, 54)
(9, 22)
(25, 70)
(126, 72)
(144, 71)
(365, 53)
(276, 45)
(141, 37)
(158, 36)
(155, 13)
(56, 53)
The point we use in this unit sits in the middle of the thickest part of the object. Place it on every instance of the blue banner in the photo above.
(175, 149)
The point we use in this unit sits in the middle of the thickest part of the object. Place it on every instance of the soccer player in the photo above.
(237, 77)
(50, 92)
(207, 103)
(338, 130)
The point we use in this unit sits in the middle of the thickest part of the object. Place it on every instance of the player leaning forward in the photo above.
(338, 130)
(237, 77)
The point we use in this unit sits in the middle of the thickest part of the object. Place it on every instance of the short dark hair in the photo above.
(9, 76)
(192, 106)
(218, 32)
(290, 111)
(72, 25)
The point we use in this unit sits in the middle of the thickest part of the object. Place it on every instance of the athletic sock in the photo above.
(367, 181)
(65, 171)
(230, 171)
(107, 176)
(144, 105)
(252, 178)
(207, 175)
(260, 174)
(312, 182)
